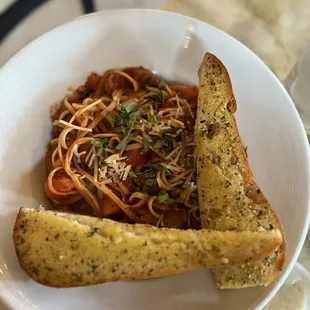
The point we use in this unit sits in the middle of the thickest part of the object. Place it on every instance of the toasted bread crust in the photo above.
(68, 250)
(229, 197)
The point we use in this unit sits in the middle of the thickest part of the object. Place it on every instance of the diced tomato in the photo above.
(63, 183)
(62, 199)
(93, 81)
(135, 158)
(108, 207)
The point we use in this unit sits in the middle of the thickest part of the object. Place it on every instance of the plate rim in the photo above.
(288, 268)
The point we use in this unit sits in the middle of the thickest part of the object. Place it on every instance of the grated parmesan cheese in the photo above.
(91, 160)
(77, 154)
(126, 172)
(91, 151)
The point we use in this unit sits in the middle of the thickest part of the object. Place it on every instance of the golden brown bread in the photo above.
(68, 250)
(229, 197)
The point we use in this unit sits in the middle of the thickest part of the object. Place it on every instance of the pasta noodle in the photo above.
(122, 148)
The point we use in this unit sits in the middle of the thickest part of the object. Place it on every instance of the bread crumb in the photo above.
(139, 232)
(118, 240)
(224, 260)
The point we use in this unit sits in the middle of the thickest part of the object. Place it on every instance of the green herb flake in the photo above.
(120, 129)
(133, 117)
(132, 174)
(128, 107)
(146, 143)
(161, 84)
(100, 143)
(154, 119)
(157, 167)
(164, 143)
(163, 169)
(159, 143)
(170, 201)
(163, 197)
(173, 132)
(149, 174)
(135, 188)
(159, 98)
(149, 182)
(92, 231)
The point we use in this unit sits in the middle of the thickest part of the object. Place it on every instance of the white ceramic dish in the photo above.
(173, 46)
(294, 293)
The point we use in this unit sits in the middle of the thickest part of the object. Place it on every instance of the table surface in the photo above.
(252, 23)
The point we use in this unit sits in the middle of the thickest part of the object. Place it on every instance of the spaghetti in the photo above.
(122, 148)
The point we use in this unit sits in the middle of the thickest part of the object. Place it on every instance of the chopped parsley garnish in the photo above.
(161, 84)
(173, 132)
(157, 97)
(159, 143)
(128, 114)
(158, 167)
(127, 129)
(132, 174)
(124, 109)
(164, 169)
(148, 184)
(163, 197)
(128, 107)
(165, 141)
(100, 143)
(120, 129)
(154, 119)
(135, 188)
(149, 174)
(146, 143)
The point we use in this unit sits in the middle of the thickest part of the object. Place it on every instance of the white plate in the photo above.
(173, 46)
